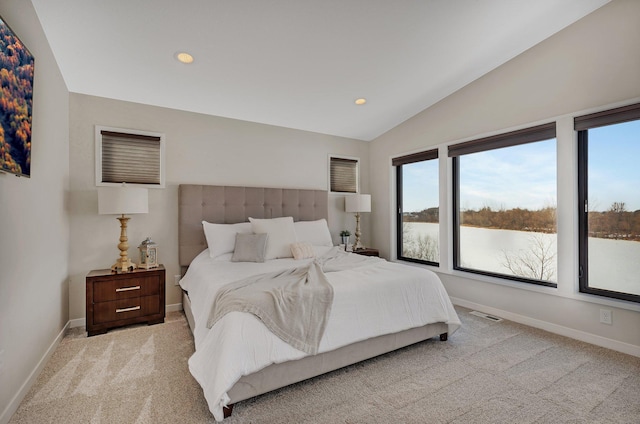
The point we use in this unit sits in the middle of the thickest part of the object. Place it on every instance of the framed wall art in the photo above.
(16, 103)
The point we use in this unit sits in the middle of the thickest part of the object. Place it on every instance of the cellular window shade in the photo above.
(514, 138)
(415, 157)
(607, 117)
(130, 158)
(344, 175)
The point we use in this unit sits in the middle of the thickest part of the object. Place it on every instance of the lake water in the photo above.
(613, 265)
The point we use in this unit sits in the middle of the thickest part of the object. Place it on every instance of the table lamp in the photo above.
(358, 203)
(123, 201)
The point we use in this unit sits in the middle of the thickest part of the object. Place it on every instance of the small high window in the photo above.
(133, 157)
(343, 175)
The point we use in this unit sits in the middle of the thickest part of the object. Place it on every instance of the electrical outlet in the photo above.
(1, 362)
(176, 280)
(605, 316)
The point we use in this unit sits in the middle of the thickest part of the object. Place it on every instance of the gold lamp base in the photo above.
(123, 264)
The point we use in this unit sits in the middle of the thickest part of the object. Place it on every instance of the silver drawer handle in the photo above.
(128, 289)
(133, 308)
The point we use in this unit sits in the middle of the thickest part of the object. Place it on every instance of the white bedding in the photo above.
(374, 298)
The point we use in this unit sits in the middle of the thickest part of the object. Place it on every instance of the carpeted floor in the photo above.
(488, 372)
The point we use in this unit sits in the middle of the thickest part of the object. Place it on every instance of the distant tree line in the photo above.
(615, 223)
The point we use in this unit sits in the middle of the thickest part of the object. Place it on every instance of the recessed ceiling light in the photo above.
(184, 57)
(360, 101)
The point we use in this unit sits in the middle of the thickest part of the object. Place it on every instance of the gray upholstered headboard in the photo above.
(230, 205)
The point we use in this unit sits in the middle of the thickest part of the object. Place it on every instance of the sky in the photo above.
(420, 185)
(614, 174)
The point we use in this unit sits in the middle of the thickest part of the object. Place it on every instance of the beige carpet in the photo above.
(488, 372)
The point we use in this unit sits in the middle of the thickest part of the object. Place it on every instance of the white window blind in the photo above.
(130, 158)
(344, 175)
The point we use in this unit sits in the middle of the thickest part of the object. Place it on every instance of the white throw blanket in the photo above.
(294, 304)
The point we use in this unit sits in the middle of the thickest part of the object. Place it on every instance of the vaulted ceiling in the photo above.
(295, 63)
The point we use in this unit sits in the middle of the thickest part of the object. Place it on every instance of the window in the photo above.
(418, 217)
(609, 202)
(504, 194)
(133, 157)
(343, 175)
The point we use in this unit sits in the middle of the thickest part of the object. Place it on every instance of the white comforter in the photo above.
(374, 298)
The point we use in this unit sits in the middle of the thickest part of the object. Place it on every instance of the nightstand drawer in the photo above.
(126, 308)
(109, 290)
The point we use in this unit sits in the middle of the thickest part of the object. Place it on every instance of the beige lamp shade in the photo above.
(122, 200)
(358, 203)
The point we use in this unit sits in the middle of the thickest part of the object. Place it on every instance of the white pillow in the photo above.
(281, 234)
(315, 232)
(221, 238)
(302, 250)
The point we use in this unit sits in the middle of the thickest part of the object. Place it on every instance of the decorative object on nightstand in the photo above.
(358, 203)
(120, 201)
(344, 235)
(115, 300)
(148, 254)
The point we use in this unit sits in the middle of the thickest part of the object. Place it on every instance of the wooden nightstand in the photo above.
(114, 300)
(367, 251)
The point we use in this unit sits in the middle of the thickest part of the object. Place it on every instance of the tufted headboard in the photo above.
(230, 205)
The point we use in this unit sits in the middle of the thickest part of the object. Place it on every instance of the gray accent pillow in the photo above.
(250, 247)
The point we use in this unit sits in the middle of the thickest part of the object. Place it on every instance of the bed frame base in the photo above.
(228, 410)
(280, 375)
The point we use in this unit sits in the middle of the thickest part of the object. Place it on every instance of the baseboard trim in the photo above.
(12, 407)
(174, 307)
(583, 336)
(78, 322)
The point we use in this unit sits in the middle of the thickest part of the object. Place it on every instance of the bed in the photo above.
(238, 357)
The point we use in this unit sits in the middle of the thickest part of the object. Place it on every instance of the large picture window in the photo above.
(609, 202)
(504, 205)
(418, 207)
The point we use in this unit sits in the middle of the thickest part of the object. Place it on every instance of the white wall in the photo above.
(590, 65)
(200, 149)
(34, 225)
